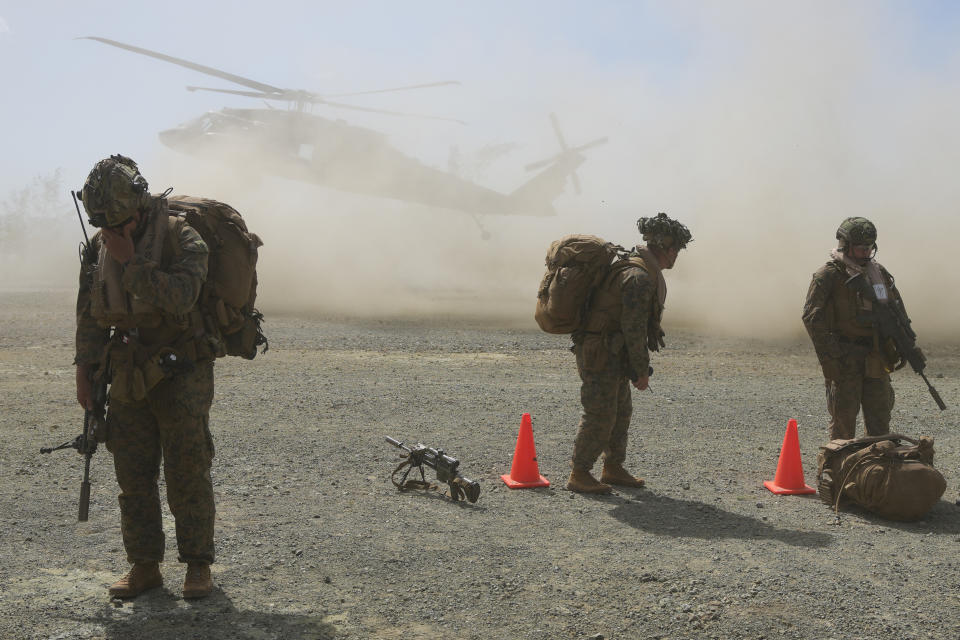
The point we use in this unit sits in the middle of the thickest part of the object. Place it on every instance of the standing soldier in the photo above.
(851, 352)
(621, 326)
(138, 323)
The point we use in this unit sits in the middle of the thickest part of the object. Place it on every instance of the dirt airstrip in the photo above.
(314, 542)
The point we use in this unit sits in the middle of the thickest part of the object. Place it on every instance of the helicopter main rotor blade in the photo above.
(237, 92)
(340, 105)
(413, 86)
(210, 71)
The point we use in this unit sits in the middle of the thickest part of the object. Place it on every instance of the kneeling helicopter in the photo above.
(296, 144)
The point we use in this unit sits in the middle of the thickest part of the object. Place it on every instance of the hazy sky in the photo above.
(67, 102)
(70, 101)
(761, 124)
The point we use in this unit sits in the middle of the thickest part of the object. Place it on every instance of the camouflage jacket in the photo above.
(831, 310)
(172, 286)
(625, 318)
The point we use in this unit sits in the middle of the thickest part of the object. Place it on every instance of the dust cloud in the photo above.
(776, 126)
(767, 127)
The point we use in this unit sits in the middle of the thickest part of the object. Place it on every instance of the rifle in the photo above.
(86, 442)
(892, 323)
(445, 466)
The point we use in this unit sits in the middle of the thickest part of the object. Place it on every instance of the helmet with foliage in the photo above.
(856, 231)
(113, 191)
(664, 232)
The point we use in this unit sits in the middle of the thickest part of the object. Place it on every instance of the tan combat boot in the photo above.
(143, 576)
(198, 583)
(615, 474)
(582, 482)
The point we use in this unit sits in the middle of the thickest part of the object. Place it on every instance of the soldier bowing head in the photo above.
(116, 197)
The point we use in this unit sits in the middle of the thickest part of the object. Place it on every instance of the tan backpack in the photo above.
(228, 296)
(895, 481)
(576, 266)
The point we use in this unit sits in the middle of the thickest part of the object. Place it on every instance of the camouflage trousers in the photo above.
(607, 407)
(853, 391)
(171, 424)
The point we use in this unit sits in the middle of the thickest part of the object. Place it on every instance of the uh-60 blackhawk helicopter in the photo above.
(294, 143)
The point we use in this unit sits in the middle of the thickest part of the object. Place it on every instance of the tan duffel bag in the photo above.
(881, 474)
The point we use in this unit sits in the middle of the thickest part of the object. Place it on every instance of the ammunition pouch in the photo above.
(875, 365)
(136, 369)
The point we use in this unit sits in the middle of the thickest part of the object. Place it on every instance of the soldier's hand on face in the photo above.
(84, 388)
(642, 382)
(119, 241)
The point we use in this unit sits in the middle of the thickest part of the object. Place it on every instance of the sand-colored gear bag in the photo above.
(576, 265)
(890, 475)
(230, 292)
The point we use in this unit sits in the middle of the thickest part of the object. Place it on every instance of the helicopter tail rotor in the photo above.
(565, 153)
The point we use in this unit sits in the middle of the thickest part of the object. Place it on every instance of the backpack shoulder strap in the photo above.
(171, 240)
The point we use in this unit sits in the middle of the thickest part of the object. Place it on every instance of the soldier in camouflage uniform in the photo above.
(137, 322)
(855, 363)
(612, 350)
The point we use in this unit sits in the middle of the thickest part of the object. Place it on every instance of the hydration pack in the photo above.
(576, 266)
(895, 481)
(228, 296)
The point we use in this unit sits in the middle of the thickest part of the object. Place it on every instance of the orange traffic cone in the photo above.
(524, 472)
(789, 478)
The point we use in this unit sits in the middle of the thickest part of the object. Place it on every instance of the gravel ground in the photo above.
(314, 542)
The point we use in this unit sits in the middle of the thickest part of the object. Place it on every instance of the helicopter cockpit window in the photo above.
(206, 123)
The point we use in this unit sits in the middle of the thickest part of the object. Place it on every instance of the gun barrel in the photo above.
(933, 392)
(84, 507)
(396, 443)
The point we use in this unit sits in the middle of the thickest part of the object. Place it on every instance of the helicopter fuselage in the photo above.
(332, 153)
(296, 144)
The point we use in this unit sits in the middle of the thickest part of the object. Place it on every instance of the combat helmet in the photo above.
(113, 191)
(857, 231)
(663, 232)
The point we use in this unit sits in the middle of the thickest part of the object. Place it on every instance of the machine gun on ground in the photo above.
(86, 442)
(445, 466)
(892, 323)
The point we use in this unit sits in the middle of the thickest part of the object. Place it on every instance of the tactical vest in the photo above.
(150, 342)
(844, 305)
(606, 307)
(154, 326)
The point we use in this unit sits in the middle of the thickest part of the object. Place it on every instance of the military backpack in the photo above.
(228, 296)
(881, 474)
(576, 266)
